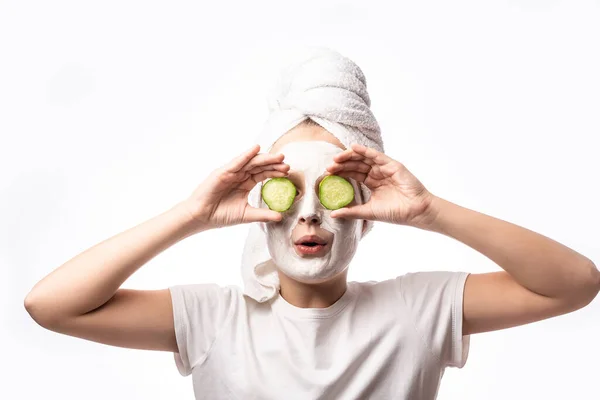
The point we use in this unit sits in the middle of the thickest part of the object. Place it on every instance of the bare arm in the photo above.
(82, 297)
(542, 278)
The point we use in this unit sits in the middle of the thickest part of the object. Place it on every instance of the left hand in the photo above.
(397, 196)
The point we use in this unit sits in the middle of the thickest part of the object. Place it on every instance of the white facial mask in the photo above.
(312, 157)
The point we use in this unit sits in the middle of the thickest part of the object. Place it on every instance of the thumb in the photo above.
(358, 211)
(254, 214)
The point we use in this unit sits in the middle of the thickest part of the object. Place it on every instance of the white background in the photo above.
(111, 112)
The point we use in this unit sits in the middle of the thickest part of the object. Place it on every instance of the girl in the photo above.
(299, 329)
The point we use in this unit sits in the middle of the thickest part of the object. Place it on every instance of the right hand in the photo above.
(222, 199)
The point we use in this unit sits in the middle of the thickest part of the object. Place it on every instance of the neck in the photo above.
(312, 295)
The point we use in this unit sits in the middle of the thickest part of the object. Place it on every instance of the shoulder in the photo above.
(413, 283)
(430, 289)
(209, 292)
(415, 289)
(207, 298)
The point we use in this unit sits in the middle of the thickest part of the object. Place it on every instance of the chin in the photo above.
(310, 274)
(312, 269)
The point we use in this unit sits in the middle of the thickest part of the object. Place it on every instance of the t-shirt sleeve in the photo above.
(435, 300)
(199, 312)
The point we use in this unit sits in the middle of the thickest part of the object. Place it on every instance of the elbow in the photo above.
(590, 287)
(31, 306)
(38, 311)
(595, 280)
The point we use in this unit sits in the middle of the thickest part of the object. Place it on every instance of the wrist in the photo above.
(190, 222)
(430, 218)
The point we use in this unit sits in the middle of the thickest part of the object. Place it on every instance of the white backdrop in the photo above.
(111, 112)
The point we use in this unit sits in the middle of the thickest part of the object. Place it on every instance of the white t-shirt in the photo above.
(381, 340)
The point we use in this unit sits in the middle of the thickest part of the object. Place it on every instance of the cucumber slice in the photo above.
(335, 192)
(279, 193)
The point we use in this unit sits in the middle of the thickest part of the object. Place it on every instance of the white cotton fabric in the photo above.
(323, 85)
(381, 340)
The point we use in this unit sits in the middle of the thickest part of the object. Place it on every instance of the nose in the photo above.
(309, 211)
(309, 218)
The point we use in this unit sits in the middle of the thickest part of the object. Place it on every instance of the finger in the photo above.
(356, 166)
(351, 155)
(254, 214)
(252, 180)
(371, 154)
(277, 167)
(261, 176)
(263, 159)
(237, 163)
(359, 211)
(357, 176)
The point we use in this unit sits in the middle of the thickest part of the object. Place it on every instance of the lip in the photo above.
(311, 238)
(312, 250)
(320, 249)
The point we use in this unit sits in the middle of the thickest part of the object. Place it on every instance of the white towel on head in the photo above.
(330, 89)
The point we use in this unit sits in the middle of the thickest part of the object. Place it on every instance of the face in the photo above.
(307, 216)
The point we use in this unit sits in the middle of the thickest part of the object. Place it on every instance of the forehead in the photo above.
(309, 156)
(303, 132)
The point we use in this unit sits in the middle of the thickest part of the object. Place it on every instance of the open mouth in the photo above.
(310, 247)
(310, 244)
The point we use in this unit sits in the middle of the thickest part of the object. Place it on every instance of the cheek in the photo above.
(340, 227)
(284, 226)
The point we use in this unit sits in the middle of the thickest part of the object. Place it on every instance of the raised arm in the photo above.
(541, 279)
(82, 297)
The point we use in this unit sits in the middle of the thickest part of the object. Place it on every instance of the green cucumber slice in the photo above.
(279, 193)
(335, 192)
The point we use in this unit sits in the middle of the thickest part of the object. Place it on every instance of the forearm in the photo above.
(91, 278)
(536, 262)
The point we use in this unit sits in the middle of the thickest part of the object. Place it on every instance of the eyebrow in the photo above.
(299, 177)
